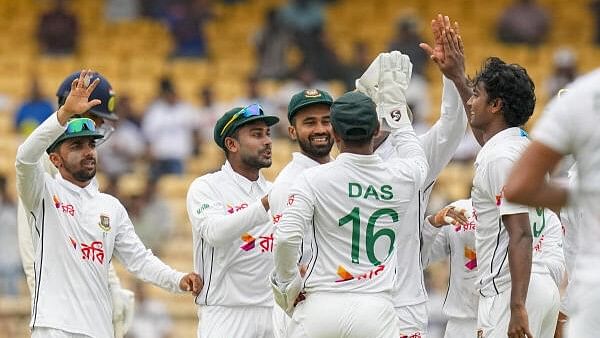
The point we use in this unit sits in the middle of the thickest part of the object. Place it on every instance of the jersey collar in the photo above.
(243, 182)
(359, 159)
(90, 190)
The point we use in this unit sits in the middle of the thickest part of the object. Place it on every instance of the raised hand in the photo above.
(448, 50)
(77, 101)
(437, 51)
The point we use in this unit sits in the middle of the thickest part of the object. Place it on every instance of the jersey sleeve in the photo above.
(442, 139)
(439, 245)
(410, 154)
(140, 261)
(210, 220)
(497, 174)
(29, 167)
(290, 231)
(555, 127)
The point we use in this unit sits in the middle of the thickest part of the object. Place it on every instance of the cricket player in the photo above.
(77, 228)
(122, 299)
(308, 115)
(457, 241)
(232, 230)
(352, 206)
(439, 144)
(568, 126)
(515, 297)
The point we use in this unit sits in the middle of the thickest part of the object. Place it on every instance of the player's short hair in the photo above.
(511, 84)
(235, 135)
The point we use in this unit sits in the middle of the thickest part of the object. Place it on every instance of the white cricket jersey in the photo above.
(233, 238)
(458, 243)
(352, 206)
(75, 233)
(439, 143)
(570, 126)
(492, 167)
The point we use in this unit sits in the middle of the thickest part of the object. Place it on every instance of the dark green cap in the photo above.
(233, 119)
(78, 127)
(354, 116)
(306, 98)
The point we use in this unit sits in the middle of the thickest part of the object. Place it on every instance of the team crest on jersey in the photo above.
(104, 223)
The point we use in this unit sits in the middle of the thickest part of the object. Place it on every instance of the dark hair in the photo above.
(511, 84)
(235, 135)
(355, 142)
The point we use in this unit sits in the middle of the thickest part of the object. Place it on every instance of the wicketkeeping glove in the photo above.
(123, 310)
(285, 295)
(394, 77)
(367, 83)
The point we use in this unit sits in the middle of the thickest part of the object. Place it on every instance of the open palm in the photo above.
(77, 101)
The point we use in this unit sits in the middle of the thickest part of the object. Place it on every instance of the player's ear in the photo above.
(292, 132)
(55, 159)
(496, 105)
(231, 144)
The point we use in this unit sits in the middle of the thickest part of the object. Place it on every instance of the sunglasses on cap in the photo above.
(252, 110)
(78, 125)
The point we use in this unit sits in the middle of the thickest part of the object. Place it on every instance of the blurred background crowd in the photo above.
(177, 65)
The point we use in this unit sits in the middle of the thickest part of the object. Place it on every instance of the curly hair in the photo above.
(511, 84)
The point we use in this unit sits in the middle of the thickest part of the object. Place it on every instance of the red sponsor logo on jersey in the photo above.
(93, 252)
(66, 208)
(500, 197)
(538, 246)
(235, 208)
(347, 276)
(265, 242)
(73, 243)
(471, 226)
(291, 199)
(413, 335)
(277, 218)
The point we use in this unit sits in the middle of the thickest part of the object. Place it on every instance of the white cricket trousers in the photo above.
(344, 315)
(235, 321)
(585, 319)
(413, 320)
(281, 321)
(543, 301)
(461, 328)
(47, 332)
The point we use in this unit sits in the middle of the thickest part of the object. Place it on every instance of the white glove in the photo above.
(394, 77)
(123, 310)
(367, 83)
(285, 294)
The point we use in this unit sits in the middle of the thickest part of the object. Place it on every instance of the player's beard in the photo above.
(78, 172)
(316, 150)
(259, 160)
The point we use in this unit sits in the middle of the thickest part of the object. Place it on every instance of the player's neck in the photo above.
(366, 149)
(320, 159)
(248, 172)
(494, 128)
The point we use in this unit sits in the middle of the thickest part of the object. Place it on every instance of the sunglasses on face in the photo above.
(252, 110)
(80, 124)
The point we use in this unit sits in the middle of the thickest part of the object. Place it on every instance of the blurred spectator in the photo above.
(169, 126)
(58, 30)
(151, 318)
(272, 43)
(595, 9)
(358, 65)
(417, 97)
(524, 22)
(151, 216)
(320, 56)
(11, 271)
(209, 113)
(564, 72)
(121, 10)
(407, 40)
(34, 111)
(302, 17)
(119, 154)
(186, 21)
